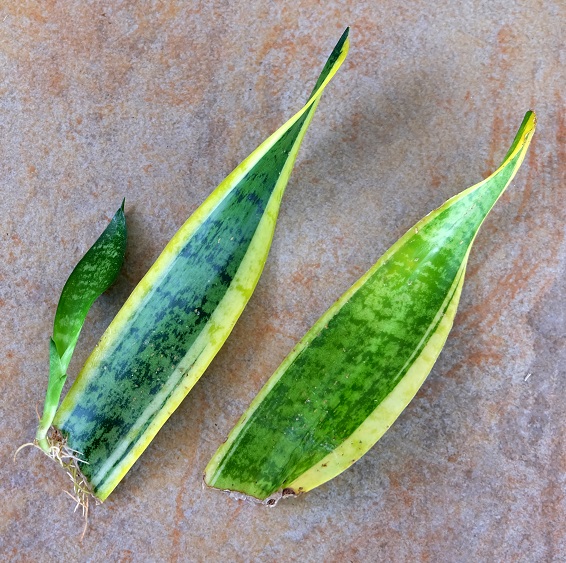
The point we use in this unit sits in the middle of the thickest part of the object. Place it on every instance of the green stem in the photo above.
(41, 436)
(57, 377)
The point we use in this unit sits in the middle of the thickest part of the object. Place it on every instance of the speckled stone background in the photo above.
(157, 102)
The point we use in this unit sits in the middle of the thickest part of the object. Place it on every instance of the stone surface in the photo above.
(158, 101)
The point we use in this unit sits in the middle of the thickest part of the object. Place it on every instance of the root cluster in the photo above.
(69, 460)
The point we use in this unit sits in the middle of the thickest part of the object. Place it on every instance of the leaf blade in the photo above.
(91, 277)
(298, 430)
(195, 291)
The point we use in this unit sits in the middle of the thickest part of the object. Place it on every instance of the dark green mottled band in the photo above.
(161, 331)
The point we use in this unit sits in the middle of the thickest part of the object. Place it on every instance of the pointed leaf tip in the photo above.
(185, 307)
(345, 383)
(94, 273)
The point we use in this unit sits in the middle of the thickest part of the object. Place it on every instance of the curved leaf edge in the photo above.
(229, 310)
(348, 452)
(73, 308)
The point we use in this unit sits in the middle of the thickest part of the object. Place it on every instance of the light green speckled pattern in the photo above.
(91, 277)
(359, 352)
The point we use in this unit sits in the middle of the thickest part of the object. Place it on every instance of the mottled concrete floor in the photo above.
(158, 101)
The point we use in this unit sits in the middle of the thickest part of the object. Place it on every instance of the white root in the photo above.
(69, 460)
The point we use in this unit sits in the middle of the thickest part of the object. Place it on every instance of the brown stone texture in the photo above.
(157, 101)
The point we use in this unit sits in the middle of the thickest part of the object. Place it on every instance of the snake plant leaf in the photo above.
(182, 311)
(92, 276)
(355, 371)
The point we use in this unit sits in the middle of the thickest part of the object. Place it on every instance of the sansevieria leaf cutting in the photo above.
(355, 371)
(91, 277)
(180, 314)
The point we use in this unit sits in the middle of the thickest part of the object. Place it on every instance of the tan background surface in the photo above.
(158, 101)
